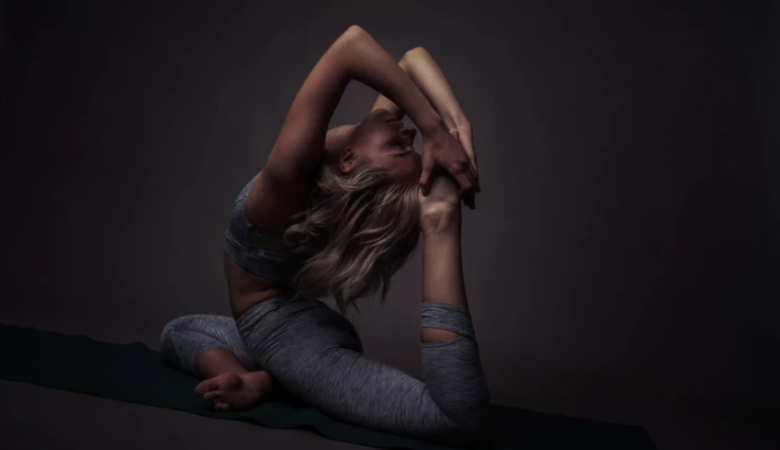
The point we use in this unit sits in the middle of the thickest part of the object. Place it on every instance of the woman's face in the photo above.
(384, 141)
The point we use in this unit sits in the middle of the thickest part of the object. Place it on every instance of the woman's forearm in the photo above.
(370, 64)
(430, 79)
(385, 103)
(428, 76)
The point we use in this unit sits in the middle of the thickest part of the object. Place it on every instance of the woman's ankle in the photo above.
(216, 361)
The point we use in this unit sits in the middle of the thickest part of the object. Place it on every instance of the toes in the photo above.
(205, 386)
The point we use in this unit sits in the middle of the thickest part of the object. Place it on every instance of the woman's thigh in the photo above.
(265, 335)
(316, 356)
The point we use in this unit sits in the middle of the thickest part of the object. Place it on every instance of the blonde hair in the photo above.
(361, 227)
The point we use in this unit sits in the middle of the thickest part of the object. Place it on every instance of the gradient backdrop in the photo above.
(624, 250)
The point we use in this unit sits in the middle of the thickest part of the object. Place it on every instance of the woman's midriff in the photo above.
(247, 289)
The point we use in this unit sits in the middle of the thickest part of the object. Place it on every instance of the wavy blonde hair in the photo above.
(361, 227)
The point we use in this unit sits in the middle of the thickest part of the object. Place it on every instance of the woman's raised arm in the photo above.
(354, 55)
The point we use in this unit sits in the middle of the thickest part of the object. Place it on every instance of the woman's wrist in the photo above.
(454, 121)
(431, 126)
(433, 131)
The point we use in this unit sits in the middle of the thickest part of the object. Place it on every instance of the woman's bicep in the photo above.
(299, 146)
(287, 177)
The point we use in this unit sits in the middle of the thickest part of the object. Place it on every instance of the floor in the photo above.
(38, 417)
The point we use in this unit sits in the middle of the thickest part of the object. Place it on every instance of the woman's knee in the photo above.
(166, 336)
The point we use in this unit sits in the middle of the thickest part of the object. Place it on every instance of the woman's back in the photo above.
(257, 264)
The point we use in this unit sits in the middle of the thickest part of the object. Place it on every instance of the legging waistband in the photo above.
(250, 316)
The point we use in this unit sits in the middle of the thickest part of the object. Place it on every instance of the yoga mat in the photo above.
(137, 374)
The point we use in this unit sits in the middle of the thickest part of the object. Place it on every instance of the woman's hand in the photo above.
(465, 136)
(441, 207)
(442, 149)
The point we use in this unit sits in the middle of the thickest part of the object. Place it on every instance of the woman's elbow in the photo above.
(354, 31)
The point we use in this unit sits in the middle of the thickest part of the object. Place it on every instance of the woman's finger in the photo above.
(469, 168)
(467, 141)
(465, 137)
(468, 200)
(476, 171)
(465, 181)
(426, 175)
(473, 159)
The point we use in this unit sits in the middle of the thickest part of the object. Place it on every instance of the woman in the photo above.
(341, 222)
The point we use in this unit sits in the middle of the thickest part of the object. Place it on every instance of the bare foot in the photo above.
(236, 391)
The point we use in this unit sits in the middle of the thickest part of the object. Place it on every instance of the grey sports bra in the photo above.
(276, 263)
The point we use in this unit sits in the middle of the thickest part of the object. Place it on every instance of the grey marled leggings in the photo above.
(315, 354)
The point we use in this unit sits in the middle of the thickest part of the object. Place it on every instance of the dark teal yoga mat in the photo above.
(137, 374)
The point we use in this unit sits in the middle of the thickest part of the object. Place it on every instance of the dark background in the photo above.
(622, 260)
